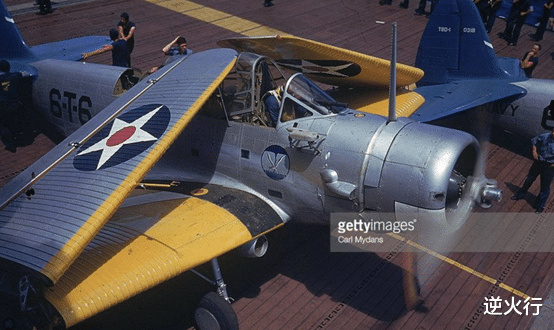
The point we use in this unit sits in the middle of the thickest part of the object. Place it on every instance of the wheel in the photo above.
(215, 313)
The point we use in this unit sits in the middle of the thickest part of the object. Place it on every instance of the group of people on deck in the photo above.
(123, 43)
(15, 87)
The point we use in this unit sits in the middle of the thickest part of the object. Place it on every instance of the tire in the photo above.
(215, 313)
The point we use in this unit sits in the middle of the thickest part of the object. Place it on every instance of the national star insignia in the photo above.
(121, 134)
(311, 67)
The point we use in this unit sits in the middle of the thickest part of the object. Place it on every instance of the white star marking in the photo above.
(139, 135)
(309, 67)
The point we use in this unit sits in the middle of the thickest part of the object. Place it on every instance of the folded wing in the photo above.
(325, 63)
(70, 50)
(52, 211)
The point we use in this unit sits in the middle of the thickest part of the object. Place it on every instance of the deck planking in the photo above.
(301, 285)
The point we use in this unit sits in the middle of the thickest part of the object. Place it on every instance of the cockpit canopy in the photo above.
(259, 92)
(306, 93)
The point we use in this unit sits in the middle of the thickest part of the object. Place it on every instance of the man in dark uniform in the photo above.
(10, 103)
(543, 21)
(126, 31)
(177, 46)
(530, 60)
(519, 11)
(120, 53)
(543, 154)
(487, 10)
(421, 7)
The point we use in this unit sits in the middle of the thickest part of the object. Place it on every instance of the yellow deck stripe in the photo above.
(461, 266)
(217, 18)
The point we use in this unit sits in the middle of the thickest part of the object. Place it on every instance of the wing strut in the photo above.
(218, 281)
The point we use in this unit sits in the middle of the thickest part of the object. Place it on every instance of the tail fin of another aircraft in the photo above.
(455, 45)
(12, 45)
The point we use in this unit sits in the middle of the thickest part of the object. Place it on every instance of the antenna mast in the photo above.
(392, 84)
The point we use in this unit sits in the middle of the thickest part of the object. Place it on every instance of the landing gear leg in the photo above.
(221, 286)
(214, 310)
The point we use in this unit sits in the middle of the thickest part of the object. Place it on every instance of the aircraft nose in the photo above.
(430, 173)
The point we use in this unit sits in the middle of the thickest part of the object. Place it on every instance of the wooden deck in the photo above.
(300, 284)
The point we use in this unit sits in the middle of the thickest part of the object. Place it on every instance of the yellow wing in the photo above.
(146, 243)
(325, 63)
(367, 75)
(377, 101)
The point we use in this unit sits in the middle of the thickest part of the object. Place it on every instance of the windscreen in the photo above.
(312, 95)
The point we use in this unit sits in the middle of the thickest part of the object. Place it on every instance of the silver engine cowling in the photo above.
(420, 171)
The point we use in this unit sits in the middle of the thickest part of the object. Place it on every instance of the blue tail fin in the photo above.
(12, 45)
(455, 45)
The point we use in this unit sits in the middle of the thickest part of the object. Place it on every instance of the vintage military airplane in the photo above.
(188, 165)
(462, 72)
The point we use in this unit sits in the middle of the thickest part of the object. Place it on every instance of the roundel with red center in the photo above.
(126, 137)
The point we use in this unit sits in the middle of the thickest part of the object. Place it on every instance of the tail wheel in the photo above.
(215, 313)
